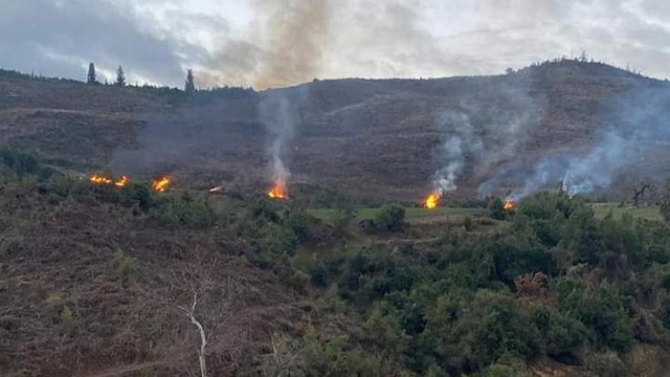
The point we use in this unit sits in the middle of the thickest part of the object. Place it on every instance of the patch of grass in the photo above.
(649, 213)
(328, 215)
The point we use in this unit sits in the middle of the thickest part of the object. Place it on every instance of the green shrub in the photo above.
(320, 274)
(497, 209)
(468, 224)
(185, 211)
(468, 335)
(23, 164)
(343, 218)
(390, 218)
(603, 312)
(665, 210)
(126, 265)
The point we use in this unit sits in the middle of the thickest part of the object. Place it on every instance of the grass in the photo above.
(649, 213)
(601, 210)
(328, 214)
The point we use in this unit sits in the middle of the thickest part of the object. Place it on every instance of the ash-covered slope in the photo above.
(373, 139)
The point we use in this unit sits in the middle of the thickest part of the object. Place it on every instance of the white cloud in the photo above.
(238, 42)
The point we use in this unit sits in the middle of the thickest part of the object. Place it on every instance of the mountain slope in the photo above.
(370, 139)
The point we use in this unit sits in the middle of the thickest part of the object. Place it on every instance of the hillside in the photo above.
(368, 139)
(100, 279)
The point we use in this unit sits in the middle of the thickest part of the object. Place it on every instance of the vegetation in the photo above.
(120, 77)
(189, 86)
(93, 276)
(92, 77)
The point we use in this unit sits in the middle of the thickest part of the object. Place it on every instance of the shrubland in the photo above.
(92, 277)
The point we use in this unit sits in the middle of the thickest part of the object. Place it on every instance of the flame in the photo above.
(432, 200)
(161, 184)
(216, 189)
(278, 191)
(99, 179)
(510, 205)
(122, 182)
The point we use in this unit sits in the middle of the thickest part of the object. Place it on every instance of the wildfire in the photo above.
(100, 179)
(509, 205)
(432, 201)
(279, 190)
(123, 182)
(161, 184)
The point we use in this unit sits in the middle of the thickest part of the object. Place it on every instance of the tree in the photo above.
(190, 83)
(665, 204)
(203, 340)
(639, 193)
(120, 77)
(92, 77)
(390, 218)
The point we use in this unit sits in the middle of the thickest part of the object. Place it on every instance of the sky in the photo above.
(275, 43)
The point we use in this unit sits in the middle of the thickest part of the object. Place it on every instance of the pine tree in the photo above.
(92, 78)
(120, 77)
(190, 83)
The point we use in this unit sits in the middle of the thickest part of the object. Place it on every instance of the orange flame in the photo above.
(161, 184)
(122, 182)
(100, 179)
(509, 205)
(432, 200)
(279, 190)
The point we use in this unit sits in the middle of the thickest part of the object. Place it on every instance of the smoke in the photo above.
(284, 47)
(455, 149)
(297, 30)
(633, 141)
(487, 129)
(278, 111)
(599, 167)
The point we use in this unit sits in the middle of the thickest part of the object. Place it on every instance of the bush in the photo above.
(665, 210)
(185, 211)
(23, 164)
(497, 209)
(320, 275)
(603, 311)
(343, 218)
(390, 218)
(467, 335)
(468, 224)
(126, 265)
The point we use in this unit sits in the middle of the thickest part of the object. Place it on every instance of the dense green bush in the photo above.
(23, 164)
(390, 218)
(180, 210)
(457, 307)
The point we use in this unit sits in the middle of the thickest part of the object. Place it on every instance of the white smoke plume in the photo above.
(461, 141)
(278, 111)
(487, 129)
(636, 140)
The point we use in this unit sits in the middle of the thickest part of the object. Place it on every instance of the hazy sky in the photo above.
(280, 42)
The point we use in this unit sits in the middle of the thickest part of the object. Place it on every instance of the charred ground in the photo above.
(371, 139)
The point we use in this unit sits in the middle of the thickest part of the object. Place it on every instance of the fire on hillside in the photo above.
(510, 205)
(279, 190)
(432, 200)
(100, 179)
(161, 184)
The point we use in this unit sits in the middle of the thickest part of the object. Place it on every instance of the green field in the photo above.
(649, 213)
(327, 214)
(601, 210)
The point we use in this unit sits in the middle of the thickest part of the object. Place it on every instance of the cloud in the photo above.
(268, 43)
(60, 37)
